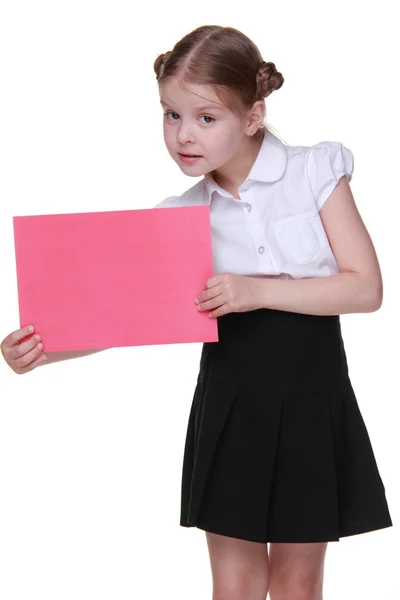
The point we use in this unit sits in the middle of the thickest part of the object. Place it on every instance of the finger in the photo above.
(16, 336)
(213, 282)
(211, 293)
(26, 359)
(222, 310)
(213, 303)
(19, 350)
(36, 363)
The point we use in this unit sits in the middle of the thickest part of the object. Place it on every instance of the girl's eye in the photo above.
(207, 117)
(172, 113)
(173, 116)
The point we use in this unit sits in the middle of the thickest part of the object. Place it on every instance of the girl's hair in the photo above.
(225, 58)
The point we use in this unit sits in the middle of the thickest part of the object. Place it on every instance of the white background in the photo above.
(91, 450)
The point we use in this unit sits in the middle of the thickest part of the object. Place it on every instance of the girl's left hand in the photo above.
(228, 292)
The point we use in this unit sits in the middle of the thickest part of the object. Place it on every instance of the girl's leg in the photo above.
(296, 571)
(239, 568)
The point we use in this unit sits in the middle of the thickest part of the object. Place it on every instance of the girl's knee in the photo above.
(299, 588)
(297, 571)
(238, 590)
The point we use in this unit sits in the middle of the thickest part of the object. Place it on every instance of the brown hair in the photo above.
(225, 58)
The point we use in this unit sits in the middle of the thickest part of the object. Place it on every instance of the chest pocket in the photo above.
(299, 239)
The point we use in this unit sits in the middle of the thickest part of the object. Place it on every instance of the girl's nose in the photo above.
(184, 135)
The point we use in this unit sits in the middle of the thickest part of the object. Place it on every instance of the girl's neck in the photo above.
(231, 176)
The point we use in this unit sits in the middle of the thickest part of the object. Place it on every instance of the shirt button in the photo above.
(247, 207)
(261, 249)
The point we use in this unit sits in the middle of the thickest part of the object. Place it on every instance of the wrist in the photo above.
(260, 297)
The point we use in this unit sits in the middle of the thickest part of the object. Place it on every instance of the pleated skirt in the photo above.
(276, 448)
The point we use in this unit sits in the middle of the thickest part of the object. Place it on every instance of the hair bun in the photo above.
(268, 79)
(159, 63)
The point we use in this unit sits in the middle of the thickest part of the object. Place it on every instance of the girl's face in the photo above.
(196, 123)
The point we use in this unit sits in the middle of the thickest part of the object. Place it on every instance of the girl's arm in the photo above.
(342, 293)
(53, 357)
(23, 351)
(358, 286)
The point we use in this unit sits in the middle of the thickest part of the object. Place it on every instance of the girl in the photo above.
(276, 448)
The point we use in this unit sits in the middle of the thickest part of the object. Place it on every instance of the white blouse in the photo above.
(274, 230)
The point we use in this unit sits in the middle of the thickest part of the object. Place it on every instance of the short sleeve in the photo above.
(168, 202)
(326, 163)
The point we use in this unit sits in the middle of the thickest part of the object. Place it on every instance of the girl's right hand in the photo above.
(23, 356)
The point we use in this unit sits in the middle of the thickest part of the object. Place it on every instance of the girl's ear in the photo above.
(255, 117)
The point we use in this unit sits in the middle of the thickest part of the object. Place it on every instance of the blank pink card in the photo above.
(119, 278)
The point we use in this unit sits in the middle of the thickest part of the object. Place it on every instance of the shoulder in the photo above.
(330, 151)
(324, 164)
(192, 196)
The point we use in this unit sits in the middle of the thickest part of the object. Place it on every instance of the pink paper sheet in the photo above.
(119, 278)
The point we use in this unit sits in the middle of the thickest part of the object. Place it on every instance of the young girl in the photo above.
(276, 449)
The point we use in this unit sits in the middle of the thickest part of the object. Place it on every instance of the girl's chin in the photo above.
(193, 170)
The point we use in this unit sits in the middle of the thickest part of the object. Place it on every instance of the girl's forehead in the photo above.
(194, 94)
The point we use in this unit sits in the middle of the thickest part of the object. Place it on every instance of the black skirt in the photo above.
(276, 448)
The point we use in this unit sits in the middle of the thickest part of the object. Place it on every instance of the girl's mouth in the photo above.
(188, 158)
